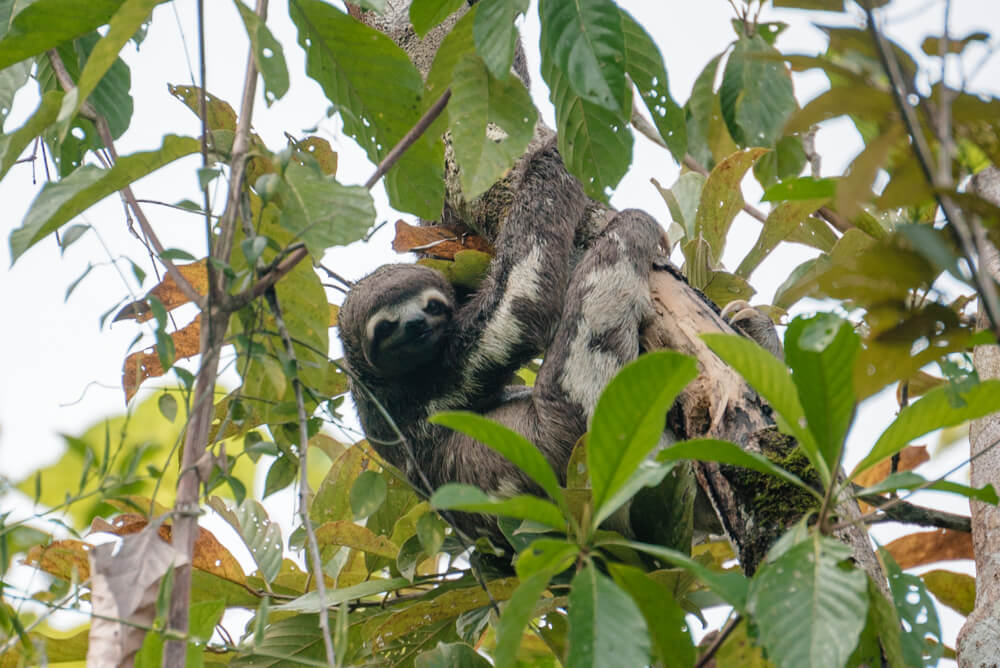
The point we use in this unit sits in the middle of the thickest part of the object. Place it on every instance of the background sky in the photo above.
(61, 372)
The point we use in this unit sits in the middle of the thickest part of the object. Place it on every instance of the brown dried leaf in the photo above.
(65, 559)
(167, 291)
(146, 363)
(209, 554)
(321, 151)
(435, 241)
(928, 547)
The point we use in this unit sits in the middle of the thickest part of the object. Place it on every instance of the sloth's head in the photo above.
(393, 321)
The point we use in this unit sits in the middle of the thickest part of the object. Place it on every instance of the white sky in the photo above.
(61, 373)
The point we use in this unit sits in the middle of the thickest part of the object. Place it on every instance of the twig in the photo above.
(957, 226)
(304, 492)
(413, 135)
(337, 277)
(88, 111)
(908, 513)
(718, 640)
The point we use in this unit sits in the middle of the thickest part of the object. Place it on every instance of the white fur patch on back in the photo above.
(615, 299)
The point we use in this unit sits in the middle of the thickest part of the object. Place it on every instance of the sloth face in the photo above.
(406, 335)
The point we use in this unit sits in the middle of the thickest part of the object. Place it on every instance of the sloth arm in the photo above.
(514, 314)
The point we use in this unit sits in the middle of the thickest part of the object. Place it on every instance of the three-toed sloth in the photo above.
(412, 350)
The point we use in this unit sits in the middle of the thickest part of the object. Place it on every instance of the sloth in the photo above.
(412, 349)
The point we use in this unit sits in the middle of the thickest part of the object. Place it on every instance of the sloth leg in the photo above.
(606, 303)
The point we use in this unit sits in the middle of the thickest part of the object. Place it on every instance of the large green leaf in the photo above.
(425, 14)
(60, 201)
(772, 380)
(756, 93)
(378, 93)
(124, 23)
(45, 24)
(12, 79)
(451, 655)
(644, 65)
(664, 617)
(267, 53)
(810, 604)
(781, 222)
(455, 496)
(508, 443)
(13, 144)
(322, 212)
(724, 452)
(939, 408)
(606, 627)
(595, 143)
(496, 35)
(516, 615)
(911, 480)
(699, 110)
(821, 351)
(629, 419)
(297, 640)
(921, 637)
(478, 100)
(722, 199)
(584, 40)
(730, 586)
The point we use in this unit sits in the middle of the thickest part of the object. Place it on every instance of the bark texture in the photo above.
(978, 643)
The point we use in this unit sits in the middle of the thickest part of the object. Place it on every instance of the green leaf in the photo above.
(546, 555)
(810, 604)
(45, 24)
(699, 110)
(935, 410)
(478, 100)
(496, 35)
(645, 475)
(606, 627)
(584, 40)
(722, 199)
(297, 640)
(12, 79)
(682, 199)
(310, 602)
(821, 351)
(911, 480)
(451, 655)
(457, 496)
(956, 590)
(781, 222)
(801, 188)
(730, 586)
(267, 53)
(367, 494)
(59, 202)
(168, 406)
(425, 14)
(378, 93)
(321, 211)
(644, 65)
(629, 419)
(773, 381)
(280, 475)
(664, 617)
(596, 144)
(921, 636)
(756, 93)
(724, 452)
(516, 615)
(131, 15)
(508, 443)
(259, 533)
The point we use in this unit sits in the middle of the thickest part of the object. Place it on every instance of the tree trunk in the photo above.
(978, 643)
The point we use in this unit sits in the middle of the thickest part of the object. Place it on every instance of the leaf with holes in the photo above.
(268, 54)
